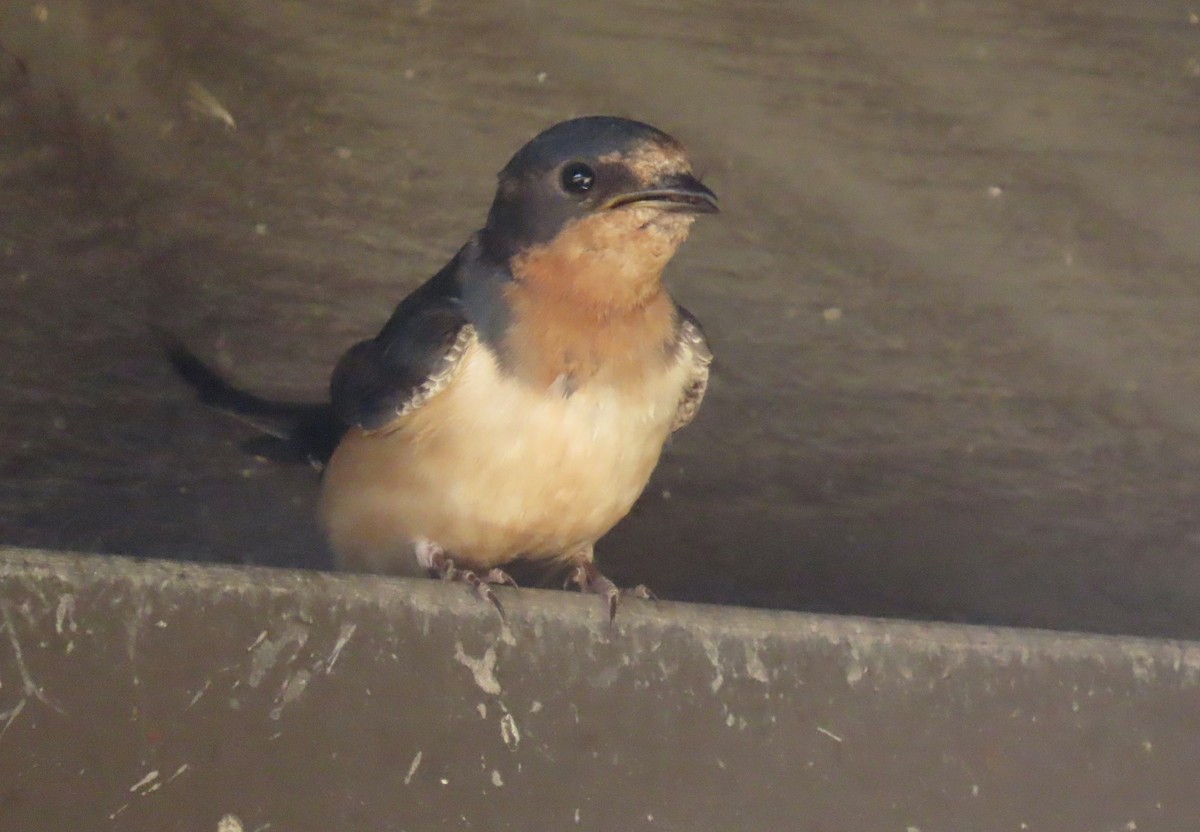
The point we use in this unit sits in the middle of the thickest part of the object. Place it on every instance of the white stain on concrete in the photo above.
(755, 668)
(412, 768)
(483, 668)
(266, 652)
(344, 636)
(64, 615)
(10, 716)
(714, 658)
(509, 731)
(28, 686)
(145, 781)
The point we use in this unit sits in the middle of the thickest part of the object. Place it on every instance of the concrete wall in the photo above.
(154, 696)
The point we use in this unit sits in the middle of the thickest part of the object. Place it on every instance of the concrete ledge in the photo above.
(159, 696)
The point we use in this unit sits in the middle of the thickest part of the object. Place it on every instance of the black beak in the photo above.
(682, 193)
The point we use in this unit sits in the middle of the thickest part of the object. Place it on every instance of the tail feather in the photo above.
(293, 431)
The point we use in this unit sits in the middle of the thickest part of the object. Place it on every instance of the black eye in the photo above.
(578, 178)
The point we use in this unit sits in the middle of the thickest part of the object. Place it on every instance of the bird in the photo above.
(514, 406)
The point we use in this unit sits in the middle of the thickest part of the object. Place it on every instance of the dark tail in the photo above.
(294, 432)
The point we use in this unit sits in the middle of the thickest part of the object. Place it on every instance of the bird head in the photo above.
(595, 206)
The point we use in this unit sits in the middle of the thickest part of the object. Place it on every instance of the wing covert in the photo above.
(693, 349)
(410, 361)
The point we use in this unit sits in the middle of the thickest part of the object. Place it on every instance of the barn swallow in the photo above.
(514, 406)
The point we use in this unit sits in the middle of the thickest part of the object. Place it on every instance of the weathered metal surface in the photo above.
(156, 696)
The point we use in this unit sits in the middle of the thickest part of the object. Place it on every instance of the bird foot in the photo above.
(480, 580)
(590, 579)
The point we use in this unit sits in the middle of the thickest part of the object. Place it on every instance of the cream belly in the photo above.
(490, 469)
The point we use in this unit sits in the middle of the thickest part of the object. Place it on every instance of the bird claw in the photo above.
(642, 593)
(481, 582)
(499, 577)
(591, 580)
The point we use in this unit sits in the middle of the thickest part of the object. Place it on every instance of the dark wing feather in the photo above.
(693, 348)
(412, 358)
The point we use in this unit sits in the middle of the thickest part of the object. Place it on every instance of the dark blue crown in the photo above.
(583, 138)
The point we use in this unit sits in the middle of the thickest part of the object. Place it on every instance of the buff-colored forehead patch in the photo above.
(651, 161)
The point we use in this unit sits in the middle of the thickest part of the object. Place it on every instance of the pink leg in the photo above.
(440, 565)
(590, 579)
